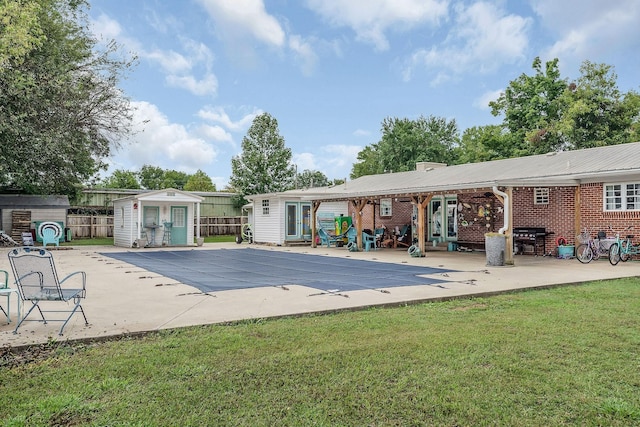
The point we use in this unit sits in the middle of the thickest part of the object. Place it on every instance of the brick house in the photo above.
(561, 193)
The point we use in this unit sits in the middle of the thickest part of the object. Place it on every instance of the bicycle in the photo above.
(623, 249)
(246, 234)
(590, 248)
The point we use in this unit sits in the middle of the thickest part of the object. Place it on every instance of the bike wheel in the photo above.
(614, 254)
(584, 254)
(625, 252)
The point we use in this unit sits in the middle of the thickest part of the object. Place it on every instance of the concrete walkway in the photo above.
(122, 298)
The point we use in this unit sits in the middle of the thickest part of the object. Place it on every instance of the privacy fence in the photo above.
(96, 226)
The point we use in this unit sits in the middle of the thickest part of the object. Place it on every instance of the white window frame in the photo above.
(386, 207)
(265, 207)
(541, 196)
(621, 196)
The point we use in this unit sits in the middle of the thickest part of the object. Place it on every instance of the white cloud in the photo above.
(304, 161)
(482, 39)
(370, 19)
(215, 133)
(219, 115)
(170, 61)
(161, 143)
(105, 28)
(304, 53)
(361, 132)
(482, 102)
(242, 18)
(206, 86)
(589, 30)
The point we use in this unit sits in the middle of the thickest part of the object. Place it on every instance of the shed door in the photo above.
(179, 229)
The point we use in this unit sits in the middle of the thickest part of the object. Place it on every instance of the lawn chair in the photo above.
(352, 235)
(6, 291)
(37, 281)
(326, 238)
(51, 233)
(403, 238)
(368, 241)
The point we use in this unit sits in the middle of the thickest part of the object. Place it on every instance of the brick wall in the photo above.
(594, 218)
(557, 216)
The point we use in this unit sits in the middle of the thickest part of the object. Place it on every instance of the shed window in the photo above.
(622, 197)
(541, 196)
(265, 207)
(385, 207)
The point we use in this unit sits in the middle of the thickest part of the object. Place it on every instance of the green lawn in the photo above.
(565, 356)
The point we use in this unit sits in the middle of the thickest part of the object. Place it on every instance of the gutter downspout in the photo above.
(506, 210)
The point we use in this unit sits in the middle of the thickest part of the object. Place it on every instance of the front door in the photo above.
(442, 219)
(179, 228)
(298, 221)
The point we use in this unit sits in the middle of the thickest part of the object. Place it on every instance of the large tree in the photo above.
(264, 166)
(532, 106)
(199, 181)
(596, 112)
(405, 142)
(122, 179)
(311, 178)
(61, 111)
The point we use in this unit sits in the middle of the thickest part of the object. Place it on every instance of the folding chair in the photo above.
(37, 281)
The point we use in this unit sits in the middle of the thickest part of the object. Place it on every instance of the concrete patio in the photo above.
(125, 299)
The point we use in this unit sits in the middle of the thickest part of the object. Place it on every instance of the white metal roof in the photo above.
(568, 168)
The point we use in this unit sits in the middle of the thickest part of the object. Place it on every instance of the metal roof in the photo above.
(26, 201)
(567, 168)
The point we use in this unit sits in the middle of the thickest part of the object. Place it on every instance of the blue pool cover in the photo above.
(226, 269)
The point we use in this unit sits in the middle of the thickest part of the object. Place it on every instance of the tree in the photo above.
(532, 105)
(174, 179)
(122, 179)
(405, 142)
(199, 181)
(264, 166)
(310, 179)
(597, 113)
(151, 177)
(61, 111)
(483, 143)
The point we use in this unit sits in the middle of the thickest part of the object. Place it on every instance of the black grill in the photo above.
(535, 236)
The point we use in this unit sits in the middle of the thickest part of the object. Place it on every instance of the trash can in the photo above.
(495, 245)
(68, 234)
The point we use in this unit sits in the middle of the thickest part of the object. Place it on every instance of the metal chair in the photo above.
(37, 281)
(166, 236)
(6, 291)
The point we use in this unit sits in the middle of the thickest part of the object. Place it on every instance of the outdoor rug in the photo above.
(226, 269)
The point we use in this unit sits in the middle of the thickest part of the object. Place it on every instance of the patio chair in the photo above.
(326, 238)
(403, 238)
(352, 234)
(6, 291)
(368, 241)
(51, 233)
(37, 281)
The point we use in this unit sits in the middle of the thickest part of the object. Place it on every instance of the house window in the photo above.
(622, 197)
(265, 207)
(385, 207)
(541, 196)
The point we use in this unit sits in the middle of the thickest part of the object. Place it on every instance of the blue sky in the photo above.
(330, 71)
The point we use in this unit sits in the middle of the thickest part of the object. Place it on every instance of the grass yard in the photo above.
(564, 356)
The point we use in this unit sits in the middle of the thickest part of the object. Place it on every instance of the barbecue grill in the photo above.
(531, 236)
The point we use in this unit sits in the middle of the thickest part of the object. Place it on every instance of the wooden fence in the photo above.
(96, 226)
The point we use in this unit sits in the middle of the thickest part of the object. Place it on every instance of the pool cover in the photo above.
(226, 269)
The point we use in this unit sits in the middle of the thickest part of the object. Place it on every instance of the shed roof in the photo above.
(165, 195)
(28, 201)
